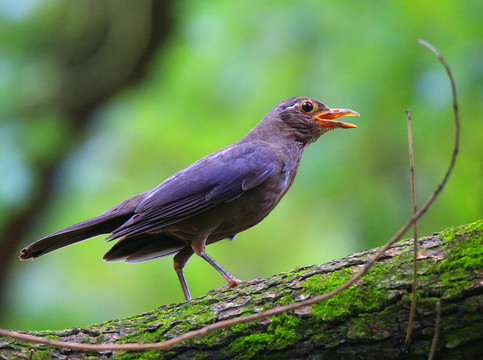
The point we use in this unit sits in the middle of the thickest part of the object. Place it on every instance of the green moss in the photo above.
(284, 327)
(168, 321)
(249, 345)
(466, 252)
(473, 331)
(283, 330)
(358, 329)
(372, 326)
(465, 255)
(476, 226)
(201, 356)
(141, 355)
(365, 297)
(330, 338)
(41, 354)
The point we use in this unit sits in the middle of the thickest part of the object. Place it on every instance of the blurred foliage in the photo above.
(225, 66)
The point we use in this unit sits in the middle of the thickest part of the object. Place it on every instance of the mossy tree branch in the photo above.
(367, 321)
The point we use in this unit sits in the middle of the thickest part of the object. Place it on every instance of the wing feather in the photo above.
(217, 178)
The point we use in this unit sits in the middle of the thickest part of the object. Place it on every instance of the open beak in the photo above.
(326, 119)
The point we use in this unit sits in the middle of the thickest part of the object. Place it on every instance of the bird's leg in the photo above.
(179, 261)
(198, 245)
(232, 281)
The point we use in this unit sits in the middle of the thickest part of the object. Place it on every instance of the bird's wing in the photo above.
(217, 178)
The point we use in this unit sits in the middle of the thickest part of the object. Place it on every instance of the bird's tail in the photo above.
(101, 224)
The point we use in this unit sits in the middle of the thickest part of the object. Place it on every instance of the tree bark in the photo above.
(367, 321)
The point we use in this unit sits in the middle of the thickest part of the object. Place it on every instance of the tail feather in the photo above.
(144, 247)
(101, 224)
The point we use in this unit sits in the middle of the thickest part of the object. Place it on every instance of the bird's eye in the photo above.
(308, 106)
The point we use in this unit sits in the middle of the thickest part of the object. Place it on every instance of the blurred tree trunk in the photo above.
(108, 50)
(367, 321)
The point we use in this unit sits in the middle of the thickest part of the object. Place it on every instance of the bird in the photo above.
(215, 198)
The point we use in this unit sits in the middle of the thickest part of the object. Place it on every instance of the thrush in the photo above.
(215, 198)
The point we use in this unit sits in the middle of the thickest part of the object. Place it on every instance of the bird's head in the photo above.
(305, 118)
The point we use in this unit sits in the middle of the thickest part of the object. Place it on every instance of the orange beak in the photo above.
(326, 119)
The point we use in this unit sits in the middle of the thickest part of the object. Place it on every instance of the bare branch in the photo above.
(415, 226)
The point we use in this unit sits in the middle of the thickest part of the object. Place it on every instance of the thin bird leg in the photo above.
(179, 261)
(198, 245)
(232, 281)
(184, 284)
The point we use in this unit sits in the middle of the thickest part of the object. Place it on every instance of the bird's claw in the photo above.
(232, 283)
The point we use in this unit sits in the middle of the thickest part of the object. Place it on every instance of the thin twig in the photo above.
(437, 323)
(415, 226)
(281, 309)
(456, 120)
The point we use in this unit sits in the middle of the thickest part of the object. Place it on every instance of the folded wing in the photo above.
(217, 178)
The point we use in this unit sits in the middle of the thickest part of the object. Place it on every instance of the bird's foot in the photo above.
(233, 283)
(236, 282)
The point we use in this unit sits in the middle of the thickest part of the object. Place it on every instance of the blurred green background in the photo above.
(100, 100)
